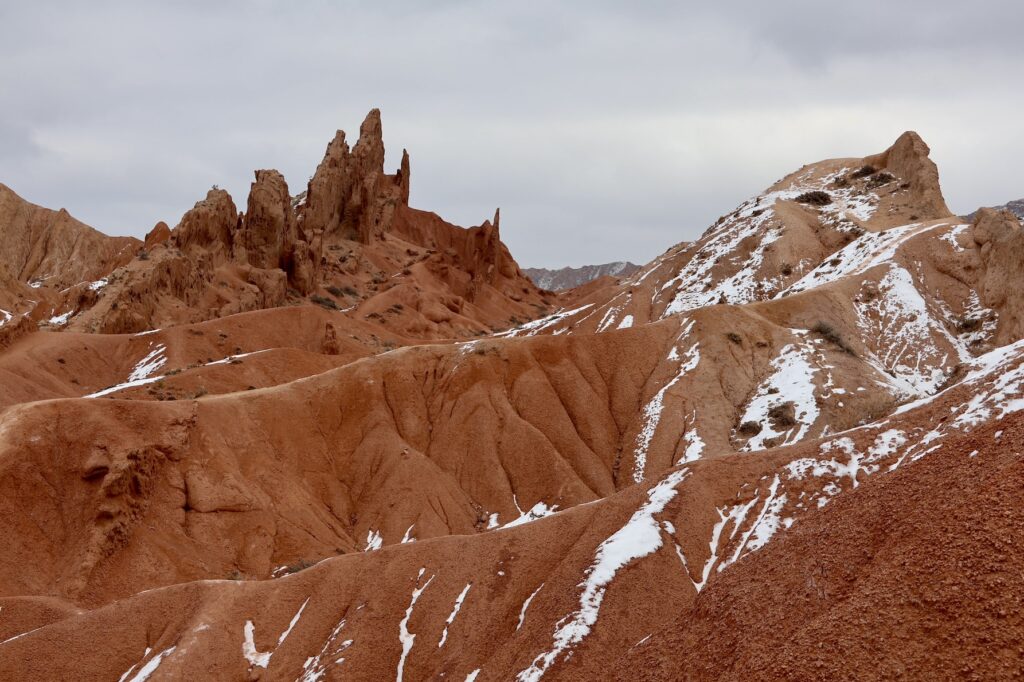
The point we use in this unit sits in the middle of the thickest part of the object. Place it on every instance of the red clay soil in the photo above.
(915, 575)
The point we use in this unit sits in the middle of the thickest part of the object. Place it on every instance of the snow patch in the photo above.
(405, 637)
(638, 538)
(453, 614)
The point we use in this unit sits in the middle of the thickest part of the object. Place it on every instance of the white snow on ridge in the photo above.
(995, 388)
(538, 511)
(315, 668)
(863, 253)
(261, 659)
(230, 358)
(638, 538)
(652, 413)
(62, 319)
(694, 286)
(537, 326)
(791, 382)
(694, 443)
(526, 605)
(149, 364)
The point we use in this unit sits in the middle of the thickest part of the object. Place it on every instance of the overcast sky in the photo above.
(604, 130)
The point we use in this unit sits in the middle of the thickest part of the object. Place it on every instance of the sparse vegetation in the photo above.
(783, 416)
(880, 179)
(300, 565)
(815, 198)
(323, 301)
(735, 338)
(749, 429)
(968, 324)
(831, 334)
(863, 172)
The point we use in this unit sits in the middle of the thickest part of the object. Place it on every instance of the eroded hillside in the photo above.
(336, 437)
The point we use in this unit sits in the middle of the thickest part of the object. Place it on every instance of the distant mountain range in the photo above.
(569, 278)
(1015, 207)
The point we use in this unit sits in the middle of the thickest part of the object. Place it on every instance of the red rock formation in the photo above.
(160, 234)
(351, 236)
(350, 196)
(752, 456)
(209, 226)
(40, 245)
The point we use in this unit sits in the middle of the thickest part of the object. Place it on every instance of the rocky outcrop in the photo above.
(1001, 240)
(350, 195)
(51, 247)
(160, 234)
(268, 227)
(209, 225)
(908, 160)
(351, 235)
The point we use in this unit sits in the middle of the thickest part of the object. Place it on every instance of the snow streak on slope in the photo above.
(995, 387)
(453, 614)
(315, 667)
(652, 411)
(261, 659)
(408, 638)
(149, 668)
(537, 326)
(640, 537)
(141, 374)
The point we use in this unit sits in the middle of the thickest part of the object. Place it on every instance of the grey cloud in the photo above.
(604, 130)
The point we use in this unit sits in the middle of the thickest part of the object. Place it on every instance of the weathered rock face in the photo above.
(268, 228)
(350, 196)
(209, 225)
(160, 234)
(908, 159)
(349, 242)
(1001, 240)
(51, 247)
